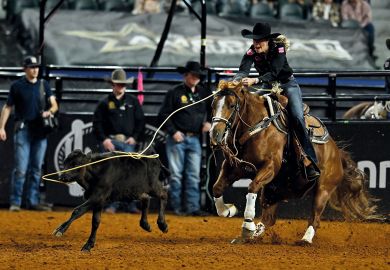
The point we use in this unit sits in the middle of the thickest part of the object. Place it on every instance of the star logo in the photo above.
(116, 41)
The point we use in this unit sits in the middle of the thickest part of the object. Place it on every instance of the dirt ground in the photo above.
(26, 242)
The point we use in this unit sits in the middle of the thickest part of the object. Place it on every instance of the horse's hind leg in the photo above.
(320, 200)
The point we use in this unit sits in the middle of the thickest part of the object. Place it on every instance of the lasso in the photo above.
(126, 154)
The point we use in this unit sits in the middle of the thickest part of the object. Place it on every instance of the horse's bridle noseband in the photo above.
(228, 121)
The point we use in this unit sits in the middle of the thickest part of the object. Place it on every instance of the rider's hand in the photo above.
(107, 144)
(249, 81)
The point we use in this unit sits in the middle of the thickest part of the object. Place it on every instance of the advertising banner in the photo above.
(115, 38)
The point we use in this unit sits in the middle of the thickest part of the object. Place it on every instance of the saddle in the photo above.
(317, 130)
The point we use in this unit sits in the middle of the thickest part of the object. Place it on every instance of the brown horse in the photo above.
(368, 110)
(236, 111)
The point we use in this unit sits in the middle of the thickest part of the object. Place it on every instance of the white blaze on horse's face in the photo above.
(219, 107)
(218, 127)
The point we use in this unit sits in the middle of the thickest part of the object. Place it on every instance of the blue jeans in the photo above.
(296, 119)
(29, 156)
(184, 163)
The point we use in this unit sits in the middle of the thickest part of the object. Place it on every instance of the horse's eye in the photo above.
(232, 106)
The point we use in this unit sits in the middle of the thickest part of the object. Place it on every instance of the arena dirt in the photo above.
(191, 243)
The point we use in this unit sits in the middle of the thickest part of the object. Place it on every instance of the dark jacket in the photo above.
(272, 66)
(124, 116)
(190, 119)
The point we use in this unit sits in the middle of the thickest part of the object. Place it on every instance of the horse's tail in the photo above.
(351, 197)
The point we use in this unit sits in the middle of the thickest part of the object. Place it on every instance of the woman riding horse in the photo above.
(269, 59)
(244, 127)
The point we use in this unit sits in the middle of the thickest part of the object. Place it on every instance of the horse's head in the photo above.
(226, 106)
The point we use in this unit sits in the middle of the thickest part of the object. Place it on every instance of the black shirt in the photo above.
(272, 66)
(26, 97)
(190, 119)
(123, 116)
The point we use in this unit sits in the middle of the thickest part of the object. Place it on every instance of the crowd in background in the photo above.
(336, 13)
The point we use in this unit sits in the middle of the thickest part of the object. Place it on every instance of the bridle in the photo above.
(228, 153)
(233, 115)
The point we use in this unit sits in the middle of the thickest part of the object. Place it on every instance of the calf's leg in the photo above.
(162, 225)
(77, 212)
(145, 201)
(97, 211)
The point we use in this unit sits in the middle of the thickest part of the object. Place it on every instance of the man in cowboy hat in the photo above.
(30, 143)
(118, 122)
(183, 146)
(270, 61)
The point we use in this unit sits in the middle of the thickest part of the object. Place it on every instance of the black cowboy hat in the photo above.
(193, 67)
(388, 43)
(31, 61)
(260, 31)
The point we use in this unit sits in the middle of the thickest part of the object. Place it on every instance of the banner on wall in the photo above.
(115, 38)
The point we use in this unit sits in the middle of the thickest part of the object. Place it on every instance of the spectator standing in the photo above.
(29, 142)
(118, 124)
(183, 146)
(327, 10)
(360, 11)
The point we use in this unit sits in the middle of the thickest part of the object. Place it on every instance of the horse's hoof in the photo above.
(303, 243)
(239, 240)
(247, 234)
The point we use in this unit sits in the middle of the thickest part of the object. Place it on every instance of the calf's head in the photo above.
(74, 159)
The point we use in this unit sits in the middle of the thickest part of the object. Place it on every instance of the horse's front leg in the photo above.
(268, 217)
(225, 179)
(263, 177)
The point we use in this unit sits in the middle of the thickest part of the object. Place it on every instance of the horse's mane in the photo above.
(235, 86)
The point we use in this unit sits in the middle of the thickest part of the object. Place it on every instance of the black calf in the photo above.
(117, 179)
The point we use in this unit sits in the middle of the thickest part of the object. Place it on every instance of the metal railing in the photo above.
(327, 81)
